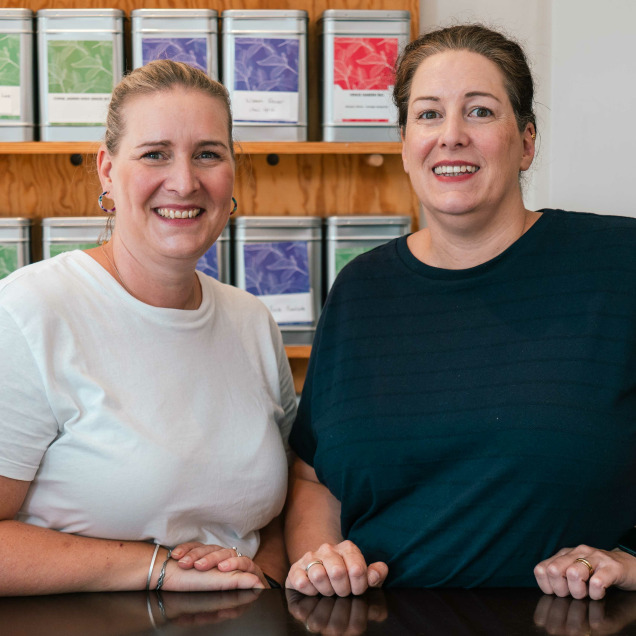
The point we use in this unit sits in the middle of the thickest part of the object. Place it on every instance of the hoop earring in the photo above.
(235, 206)
(99, 202)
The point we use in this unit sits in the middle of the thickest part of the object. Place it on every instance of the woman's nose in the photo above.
(182, 177)
(453, 132)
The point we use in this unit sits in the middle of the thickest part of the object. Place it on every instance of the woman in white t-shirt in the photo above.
(144, 405)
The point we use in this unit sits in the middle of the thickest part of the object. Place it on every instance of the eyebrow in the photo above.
(163, 143)
(431, 98)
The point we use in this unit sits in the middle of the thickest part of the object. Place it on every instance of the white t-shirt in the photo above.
(138, 422)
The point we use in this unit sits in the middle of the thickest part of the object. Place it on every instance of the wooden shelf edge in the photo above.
(246, 148)
(298, 351)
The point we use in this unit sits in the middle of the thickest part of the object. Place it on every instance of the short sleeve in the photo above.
(27, 424)
(287, 391)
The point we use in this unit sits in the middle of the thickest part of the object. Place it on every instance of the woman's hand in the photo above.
(584, 571)
(335, 569)
(204, 557)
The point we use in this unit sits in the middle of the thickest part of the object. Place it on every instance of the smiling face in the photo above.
(461, 146)
(172, 177)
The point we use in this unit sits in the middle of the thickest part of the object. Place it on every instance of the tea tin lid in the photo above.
(278, 221)
(16, 221)
(15, 14)
(80, 13)
(174, 13)
(364, 14)
(368, 220)
(264, 13)
(74, 221)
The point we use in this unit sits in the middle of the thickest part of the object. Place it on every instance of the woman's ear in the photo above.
(405, 163)
(104, 167)
(529, 138)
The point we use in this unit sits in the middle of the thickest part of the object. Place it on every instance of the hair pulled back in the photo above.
(505, 53)
(155, 77)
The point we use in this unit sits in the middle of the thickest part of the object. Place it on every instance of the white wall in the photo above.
(583, 58)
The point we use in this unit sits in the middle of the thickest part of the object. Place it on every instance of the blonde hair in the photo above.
(155, 77)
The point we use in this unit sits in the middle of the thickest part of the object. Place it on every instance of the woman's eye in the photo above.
(153, 154)
(480, 111)
(208, 154)
(429, 114)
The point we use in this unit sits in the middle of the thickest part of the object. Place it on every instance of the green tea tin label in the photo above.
(80, 78)
(8, 259)
(9, 76)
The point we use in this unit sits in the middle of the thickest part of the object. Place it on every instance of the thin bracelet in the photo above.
(162, 574)
(152, 565)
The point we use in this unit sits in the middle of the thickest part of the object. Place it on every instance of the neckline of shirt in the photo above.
(439, 273)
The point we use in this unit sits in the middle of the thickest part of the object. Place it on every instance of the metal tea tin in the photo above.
(265, 71)
(65, 233)
(216, 261)
(80, 60)
(279, 260)
(15, 244)
(349, 236)
(17, 121)
(182, 35)
(359, 50)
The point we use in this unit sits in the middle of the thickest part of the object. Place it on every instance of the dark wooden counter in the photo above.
(512, 612)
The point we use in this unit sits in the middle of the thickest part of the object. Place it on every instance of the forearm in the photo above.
(36, 560)
(312, 518)
(271, 556)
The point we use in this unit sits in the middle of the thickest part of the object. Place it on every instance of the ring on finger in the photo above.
(317, 562)
(585, 562)
(238, 554)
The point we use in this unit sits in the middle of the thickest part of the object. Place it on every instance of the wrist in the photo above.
(161, 558)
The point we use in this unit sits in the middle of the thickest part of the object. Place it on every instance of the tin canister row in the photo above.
(264, 55)
(289, 263)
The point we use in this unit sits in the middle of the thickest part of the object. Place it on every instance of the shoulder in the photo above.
(594, 237)
(232, 300)
(376, 267)
(40, 280)
(586, 223)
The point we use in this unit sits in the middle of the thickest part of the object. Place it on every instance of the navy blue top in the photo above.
(473, 422)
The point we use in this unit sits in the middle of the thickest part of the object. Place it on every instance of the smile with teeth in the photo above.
(169, 213)
(449, 171)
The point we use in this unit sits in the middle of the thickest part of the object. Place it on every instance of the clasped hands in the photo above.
(196, 566)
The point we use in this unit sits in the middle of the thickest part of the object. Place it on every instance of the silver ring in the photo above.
(318, 562)
(238, 554)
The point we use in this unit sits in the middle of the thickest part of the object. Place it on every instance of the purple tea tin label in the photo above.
(209, 262)
(278, 273)
(266, 79)
(192, 51)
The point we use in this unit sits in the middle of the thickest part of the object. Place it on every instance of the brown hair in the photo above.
(505, 53)
(154, 77)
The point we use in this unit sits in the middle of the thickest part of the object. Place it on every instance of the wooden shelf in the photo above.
(246, 148)
(298, 351)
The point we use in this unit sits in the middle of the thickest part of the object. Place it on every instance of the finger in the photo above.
(206, 557)
(183, 548)
(240, 580)
(577, 575)
(356, 568)
(322, 578)
(297, 580)
(243, 563)
(377, 573)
